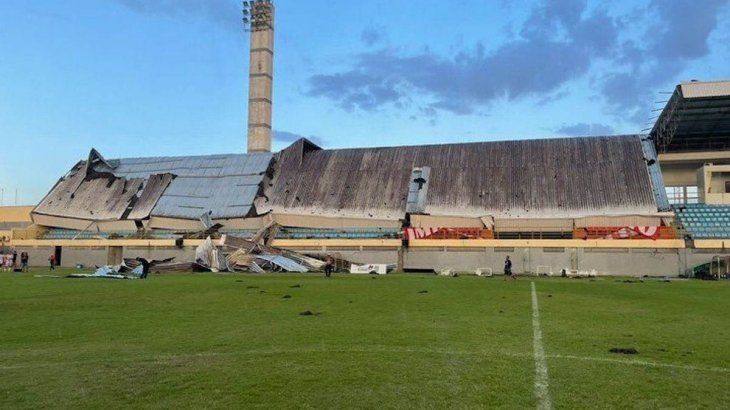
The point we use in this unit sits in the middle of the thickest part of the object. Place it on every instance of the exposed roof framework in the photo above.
(696, 118)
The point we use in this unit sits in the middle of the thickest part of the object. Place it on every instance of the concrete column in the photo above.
(261, 78)
(114, 255)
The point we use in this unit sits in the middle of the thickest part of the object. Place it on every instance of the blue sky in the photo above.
(168, 77)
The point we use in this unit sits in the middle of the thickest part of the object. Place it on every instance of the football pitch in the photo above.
(397, 341)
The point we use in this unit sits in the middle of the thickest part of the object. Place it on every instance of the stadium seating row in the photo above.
(702, 221)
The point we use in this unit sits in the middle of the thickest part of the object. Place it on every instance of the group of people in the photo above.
(11, 261)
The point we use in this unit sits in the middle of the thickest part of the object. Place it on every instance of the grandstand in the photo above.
(595, 203)
(702, 221)
(603, 203)
(692, 136)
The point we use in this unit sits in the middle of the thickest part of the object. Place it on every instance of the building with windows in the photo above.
(692, 138)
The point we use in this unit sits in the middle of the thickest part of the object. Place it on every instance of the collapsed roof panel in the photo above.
(103, 199)
(151, 194)
(569, 177)
(225, 197)
(171, 187)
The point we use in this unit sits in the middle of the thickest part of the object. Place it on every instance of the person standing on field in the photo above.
(24, 258)
(52, 261)
(329, 265)
(8, 262)
(508, 269)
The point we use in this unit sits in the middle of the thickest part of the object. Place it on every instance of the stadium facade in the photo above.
(655, 204)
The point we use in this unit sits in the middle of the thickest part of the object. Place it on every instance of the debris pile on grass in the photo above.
(257, 255)
(138, 268)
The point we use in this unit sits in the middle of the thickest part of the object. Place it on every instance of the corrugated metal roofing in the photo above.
(531, 178)
(227, 185)
(173, 187)
(100, 199)
(284, 262)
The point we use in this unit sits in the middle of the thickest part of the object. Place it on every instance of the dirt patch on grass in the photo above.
(623, 350)
(309, 313)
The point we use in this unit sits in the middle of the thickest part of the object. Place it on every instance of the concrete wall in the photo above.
(678, 174)
(70, 257)
(624, 262)
(99, 256)
(186, 254)
(631, 262)
(362, 257)
(38, 256)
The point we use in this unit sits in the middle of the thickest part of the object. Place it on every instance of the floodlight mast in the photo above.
(258, 19)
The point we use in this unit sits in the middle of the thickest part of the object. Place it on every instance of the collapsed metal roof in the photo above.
(570, 177)
(225, 185)
(696, 118)
(173, 187)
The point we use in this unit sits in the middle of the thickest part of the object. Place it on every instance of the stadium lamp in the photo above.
(257, 15)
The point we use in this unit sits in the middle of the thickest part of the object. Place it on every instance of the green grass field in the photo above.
(211, 341)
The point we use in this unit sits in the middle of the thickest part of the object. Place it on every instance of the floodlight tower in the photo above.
(258, 19)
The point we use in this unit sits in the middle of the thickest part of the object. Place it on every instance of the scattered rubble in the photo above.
(209, 256)
(139, 270)
(258, 256)
(227, 254)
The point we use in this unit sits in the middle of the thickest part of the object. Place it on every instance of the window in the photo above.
(692, 195)
(675, 194)
(680, 195)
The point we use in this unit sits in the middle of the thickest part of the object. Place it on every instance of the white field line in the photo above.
(542, 389)
(643, 363)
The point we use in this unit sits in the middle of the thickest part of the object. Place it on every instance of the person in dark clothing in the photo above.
(15, 259)
(508, 269)
(24, 258)
(52, 261)
(145, 267)
(329, 266)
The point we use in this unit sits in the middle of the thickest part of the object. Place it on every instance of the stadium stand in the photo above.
(702, 221)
